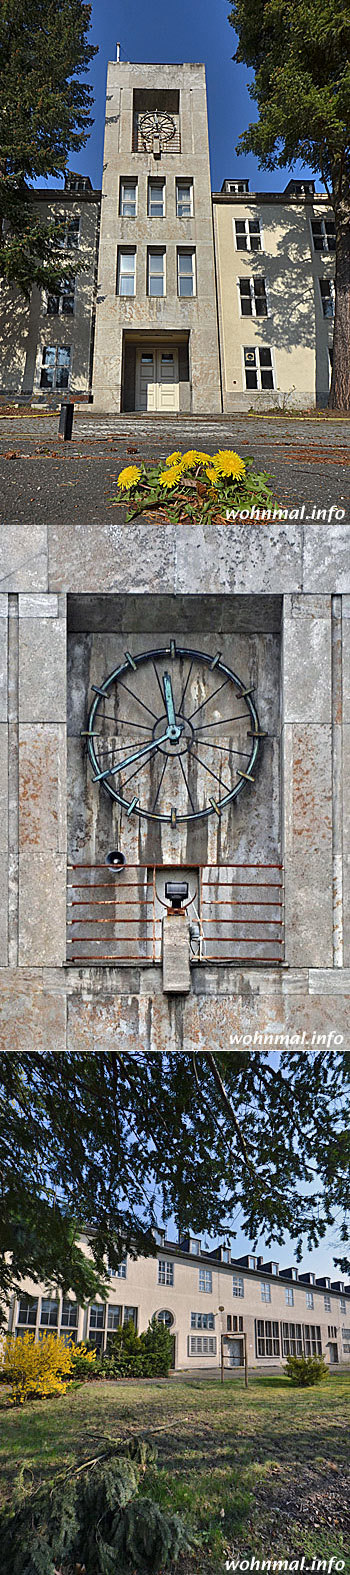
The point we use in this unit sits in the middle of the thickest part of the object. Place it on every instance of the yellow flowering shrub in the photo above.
(36, 1367)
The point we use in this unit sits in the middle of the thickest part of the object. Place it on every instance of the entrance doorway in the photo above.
(236, 1355)
(333, 1353)
(157, 379)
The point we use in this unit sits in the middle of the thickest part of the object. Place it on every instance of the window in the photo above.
(166, 1317)
(114, 1318)
(265, 1290)
(49, 1313)
(55, 366)
(237, 1285)
(342, 1304)
(309, 1298)
(126, 271)
(186, 273)
(195, 1247)
(69, 1315)
(346, 1341)
(121, 1270)
(266, 1337)
(201, 1345)
(258, 368)
(97, 1325)
(62, 304)
(130, 1316)
(225, 1255)
(156, 273)
(156, 199)
(72, 234)
(253, 300)
(252, 1263)
(323, 235)
(248, 235)
(332, 1332)
(289, 1295)
(165, 1272)
(27, 1311)
(292, 1344)
(327, 1303)
(205, 1280)
(312, 1340)
(202, 1320)
(128, 199)
(327, 296)
(184, 199)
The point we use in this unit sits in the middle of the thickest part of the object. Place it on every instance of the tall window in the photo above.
(62, 304)
(327, 1303)
(165, 1272)
(265, 1291)
(69, 1314)
(205, 1280)
(97, 1324)
(312, 1340)
(130, 1316)
(292, 1344)
(258, 368)
(342, 1304)
(327, 297)
(248, 235)
(126, 271)
(186, 272)
(49, 1313)
(253, 300)
(266, 1337)
(121, 1270)
(289, 1295)
(114, 1318)
(156, 199)
(27, 1311)
(184, 199)
(237, 1285)
(309, 1298)
(55, 366)
(156, 272)
(128, 199)
(323, 235)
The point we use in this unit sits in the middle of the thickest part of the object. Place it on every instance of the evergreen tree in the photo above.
(103, 1142)
(299, 51)
(44, 116)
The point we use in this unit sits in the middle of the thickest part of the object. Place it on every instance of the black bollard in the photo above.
(66, 420)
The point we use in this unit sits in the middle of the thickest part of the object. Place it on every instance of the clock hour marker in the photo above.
(132, 806)
(243, 692)
(215, 661)
(215, 806)
(130, 660)
(173, 818)
(173, 649)
(255, 733)
(246, 775)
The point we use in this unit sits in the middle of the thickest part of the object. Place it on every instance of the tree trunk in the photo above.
(339, 398)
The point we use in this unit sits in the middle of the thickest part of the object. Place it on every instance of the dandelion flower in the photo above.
(213, 476)
(193, 458)
(227, 463)
(173, 459)
(129, 477)
(170, 478)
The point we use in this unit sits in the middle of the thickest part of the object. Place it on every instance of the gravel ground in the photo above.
(308, 459)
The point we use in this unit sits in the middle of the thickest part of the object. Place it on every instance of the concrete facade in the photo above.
(127, 326)
(203, 1296)
(47, 343)
(290, 271)
(286, 619)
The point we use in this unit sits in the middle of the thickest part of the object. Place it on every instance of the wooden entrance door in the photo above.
(157, 379)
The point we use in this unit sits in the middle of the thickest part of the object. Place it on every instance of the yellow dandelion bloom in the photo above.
(169, 478)
(129, 477)
(193, 458)
(227, 463)
(213, 476)
(173, 459)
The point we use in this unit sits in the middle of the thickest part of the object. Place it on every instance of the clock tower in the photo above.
(156, 347)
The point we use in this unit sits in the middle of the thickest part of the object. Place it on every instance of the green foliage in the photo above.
(44, 116)
(85, 1366)
(130, 1355)
(299, 51)
(306, 1371)
(195, 1135)
(197, 487)
(92, 1518)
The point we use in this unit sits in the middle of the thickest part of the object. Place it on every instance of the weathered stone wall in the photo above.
(45, 1003)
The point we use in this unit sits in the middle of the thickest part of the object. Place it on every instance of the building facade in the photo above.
(203, 304)
(209, 1301)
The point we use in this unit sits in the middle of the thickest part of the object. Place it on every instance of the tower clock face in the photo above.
(173, 735)
(158, 124)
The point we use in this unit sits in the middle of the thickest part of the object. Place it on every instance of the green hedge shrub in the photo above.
(305, 1371)
(130, 1355)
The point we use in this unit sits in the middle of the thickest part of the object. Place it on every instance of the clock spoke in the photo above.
(123, 721)
(166, 763)
(136, 697)
(185, 689)
(240, 717)
(225, 748)
(209, 698)
(187, 785)
(213, 774)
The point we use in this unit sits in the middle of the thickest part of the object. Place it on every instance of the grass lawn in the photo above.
(273, 1459)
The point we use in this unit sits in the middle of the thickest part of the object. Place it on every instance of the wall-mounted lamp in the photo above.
(176, 892)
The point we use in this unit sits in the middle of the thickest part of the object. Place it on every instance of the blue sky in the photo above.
(195, 30)
(320, 1260)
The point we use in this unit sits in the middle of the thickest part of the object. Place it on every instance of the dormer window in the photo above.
(194, 1246)
(252, 1263)
(225, 1255)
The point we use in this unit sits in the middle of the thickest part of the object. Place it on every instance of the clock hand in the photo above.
(146, 749)
(169, 700)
